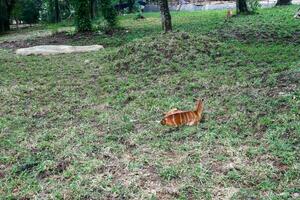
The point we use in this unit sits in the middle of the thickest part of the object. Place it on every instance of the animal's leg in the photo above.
(191, 123)
(194, 122)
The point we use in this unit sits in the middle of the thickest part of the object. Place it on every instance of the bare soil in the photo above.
(58, 38)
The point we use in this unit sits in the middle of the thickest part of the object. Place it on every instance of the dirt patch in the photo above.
(55, 39)
(266, 33)
(286, 83)
(2, 175)
(224, 193)
(289, 77)
(145, 177)
(60, 167)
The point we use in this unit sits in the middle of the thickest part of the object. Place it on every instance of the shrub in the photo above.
(82, 15)
(109, 13)
(253, 5)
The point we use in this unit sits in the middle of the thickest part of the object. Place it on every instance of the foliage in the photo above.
(253, 5)
(27, 11)
(109, 13)
(139, 15)
(30, 11)
(82, 15)
(17, 10)
(66, 10)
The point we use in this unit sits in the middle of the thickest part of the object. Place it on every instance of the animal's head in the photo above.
(199, 104)
(229, 13)
(163, 122)
(200, 101)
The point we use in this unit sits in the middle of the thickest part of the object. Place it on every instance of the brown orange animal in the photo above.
(178, 117)
(229, 13)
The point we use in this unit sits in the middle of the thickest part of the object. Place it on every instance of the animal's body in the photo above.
(178, 117)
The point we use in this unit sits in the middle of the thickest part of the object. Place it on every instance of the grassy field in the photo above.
(85, 126)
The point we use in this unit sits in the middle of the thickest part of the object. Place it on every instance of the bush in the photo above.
(82, 15)
(30, 11)
(27, 11)
(109, 13)
(253, 5)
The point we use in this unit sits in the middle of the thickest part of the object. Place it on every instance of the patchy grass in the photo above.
(276, 26)
(85, 126)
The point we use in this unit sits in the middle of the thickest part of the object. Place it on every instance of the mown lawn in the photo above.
(85, 126)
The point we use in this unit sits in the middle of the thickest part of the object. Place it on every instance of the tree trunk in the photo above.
(17, 23)
(5, 11)
(3, 17)
(93, 8)
(283, 2)
(57, 16)
(51, 15)
(241, 6)
(165, 15)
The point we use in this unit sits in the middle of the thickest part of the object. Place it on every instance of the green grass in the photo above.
(85, 126)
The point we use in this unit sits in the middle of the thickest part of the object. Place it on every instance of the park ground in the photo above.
(85, 126)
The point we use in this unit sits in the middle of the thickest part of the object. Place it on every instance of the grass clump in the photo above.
(166, 54)
(266, 26)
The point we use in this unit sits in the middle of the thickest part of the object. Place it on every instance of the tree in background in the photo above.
(30, 11)
(17, 13)
(242, 7)
(26, 11)
(283, 2)
(165, 15)
(55, 11)
(6, 7)
(82, 15)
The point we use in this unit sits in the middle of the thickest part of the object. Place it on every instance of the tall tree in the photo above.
(6, 7)
(165, 15)
(241, 6)
(283, 2)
